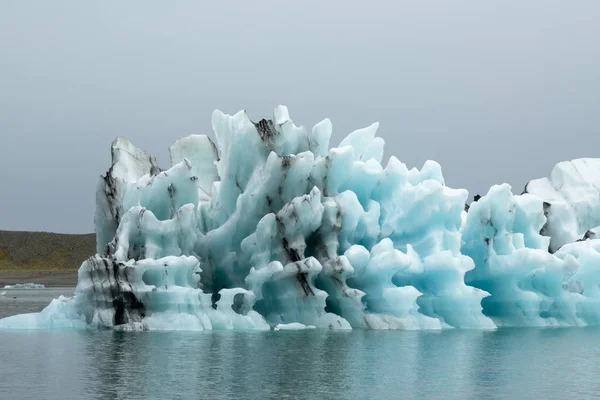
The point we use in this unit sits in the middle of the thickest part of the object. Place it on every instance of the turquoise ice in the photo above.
(269, 227)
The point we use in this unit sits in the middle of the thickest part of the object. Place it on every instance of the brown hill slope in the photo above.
(44, 251)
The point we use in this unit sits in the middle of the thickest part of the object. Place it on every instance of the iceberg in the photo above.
(270, 228)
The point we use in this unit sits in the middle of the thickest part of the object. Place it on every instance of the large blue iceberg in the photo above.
(270, 228)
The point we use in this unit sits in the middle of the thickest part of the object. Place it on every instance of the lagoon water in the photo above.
(453, 364)
(18, 301)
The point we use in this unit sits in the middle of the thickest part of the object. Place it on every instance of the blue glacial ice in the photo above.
(269, 228)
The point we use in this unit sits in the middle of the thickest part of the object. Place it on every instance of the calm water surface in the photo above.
(502, 364)
(18, 301)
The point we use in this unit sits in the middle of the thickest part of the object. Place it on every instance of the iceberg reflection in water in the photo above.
(309, 364)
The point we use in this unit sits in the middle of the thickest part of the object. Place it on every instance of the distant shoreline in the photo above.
(48, 258)
(47, 278)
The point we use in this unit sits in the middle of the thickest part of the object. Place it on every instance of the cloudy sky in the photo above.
(495, 91)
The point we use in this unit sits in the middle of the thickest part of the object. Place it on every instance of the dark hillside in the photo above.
(44, 250)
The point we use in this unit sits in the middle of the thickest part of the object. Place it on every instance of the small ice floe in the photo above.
(3, 294)
(25, 286)
(294, 326)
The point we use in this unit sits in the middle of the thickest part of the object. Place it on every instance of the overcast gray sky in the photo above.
(495, 91)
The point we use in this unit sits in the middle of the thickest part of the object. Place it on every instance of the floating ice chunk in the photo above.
(61, 313)
(293, 326)
(25, 286)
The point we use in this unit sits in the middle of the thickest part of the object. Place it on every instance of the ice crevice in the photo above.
(269, 228)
